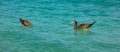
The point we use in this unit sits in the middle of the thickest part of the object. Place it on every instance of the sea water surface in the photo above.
(52, 31)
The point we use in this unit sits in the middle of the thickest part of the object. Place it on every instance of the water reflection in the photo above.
(83, 32)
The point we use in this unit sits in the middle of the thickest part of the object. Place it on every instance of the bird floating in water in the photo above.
(82, 26)
(25, 22)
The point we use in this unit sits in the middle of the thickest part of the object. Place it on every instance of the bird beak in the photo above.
(71, 22)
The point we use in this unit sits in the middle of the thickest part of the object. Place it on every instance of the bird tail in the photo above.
(92, 23)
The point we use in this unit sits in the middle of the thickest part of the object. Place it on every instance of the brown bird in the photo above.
(82, 26)
(25, 22)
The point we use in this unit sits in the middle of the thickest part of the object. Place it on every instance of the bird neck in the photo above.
(75, 25)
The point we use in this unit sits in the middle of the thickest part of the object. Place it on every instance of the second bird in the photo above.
(25, 22)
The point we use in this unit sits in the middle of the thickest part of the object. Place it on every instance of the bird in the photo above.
(82, 26)
(25, 22)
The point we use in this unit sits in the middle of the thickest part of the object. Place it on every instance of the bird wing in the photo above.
(84, 25)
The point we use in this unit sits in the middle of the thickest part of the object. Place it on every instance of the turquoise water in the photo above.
(52, 31)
